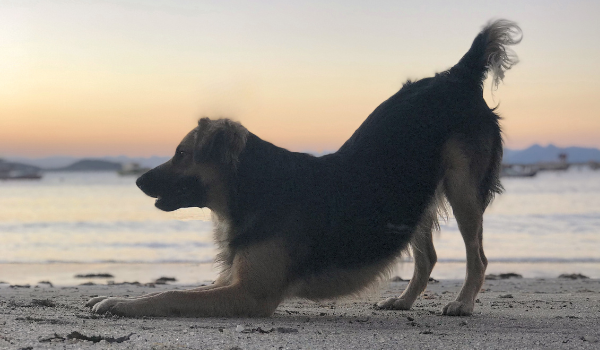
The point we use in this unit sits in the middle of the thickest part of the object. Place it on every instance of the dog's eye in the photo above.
(179, 155)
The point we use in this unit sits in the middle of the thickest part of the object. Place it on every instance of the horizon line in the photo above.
(303, 151)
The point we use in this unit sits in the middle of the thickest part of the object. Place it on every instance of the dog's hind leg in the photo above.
(425, 258)
(461, 184)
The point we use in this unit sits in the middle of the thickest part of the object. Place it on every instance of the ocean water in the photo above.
(540, 227)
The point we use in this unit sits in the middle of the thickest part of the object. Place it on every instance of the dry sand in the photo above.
(512, 313)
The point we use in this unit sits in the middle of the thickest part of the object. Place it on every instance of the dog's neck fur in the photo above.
(270, 178)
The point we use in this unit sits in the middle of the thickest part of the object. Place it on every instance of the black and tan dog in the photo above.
(291, 224)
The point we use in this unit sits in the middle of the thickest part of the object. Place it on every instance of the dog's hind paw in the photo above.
(458, 308)
(394, 304)
(95, 301)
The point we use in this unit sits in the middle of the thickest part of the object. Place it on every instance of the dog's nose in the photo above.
(139, 181)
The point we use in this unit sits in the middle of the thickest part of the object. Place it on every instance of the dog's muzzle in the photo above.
(172, 191)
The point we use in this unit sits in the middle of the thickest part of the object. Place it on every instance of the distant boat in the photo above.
(518, 171)
(15, 171)
(19, 175)
(561, 164)
(132, 169)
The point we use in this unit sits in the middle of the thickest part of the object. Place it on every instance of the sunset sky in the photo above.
(99, 78)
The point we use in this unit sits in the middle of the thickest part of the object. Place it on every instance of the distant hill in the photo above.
(537, 153)
(55, 162)
(530, 155)
(144, 162)
(90, 165)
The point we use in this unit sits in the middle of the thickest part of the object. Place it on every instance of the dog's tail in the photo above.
(489, 52)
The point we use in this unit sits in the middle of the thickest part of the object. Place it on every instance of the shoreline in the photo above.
(512, 313)
(189, 273)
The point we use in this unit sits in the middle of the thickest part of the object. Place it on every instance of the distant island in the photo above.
(539, 154)
(90, 165)
(532, 155)
(14, 170)
(65, 163)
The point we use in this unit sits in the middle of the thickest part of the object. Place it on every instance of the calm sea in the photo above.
(84, 222)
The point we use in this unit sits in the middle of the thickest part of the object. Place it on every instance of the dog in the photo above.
(291, 224)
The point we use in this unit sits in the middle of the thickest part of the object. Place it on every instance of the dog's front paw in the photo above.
(458, 308)
(133, 307)
(394, 304)
(95, 301)
(113, 305)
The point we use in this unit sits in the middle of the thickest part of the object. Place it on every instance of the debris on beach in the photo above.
(43, 302)
(242, 329)
(164, 280)
(46, 283)
(502, 276)
(398, 279)
(113, 283)
(95, 275)
(42, 320)
(430, 296)
(505, 296)
(573, 276)
(78, 336)
(52, 338)
(97, 338)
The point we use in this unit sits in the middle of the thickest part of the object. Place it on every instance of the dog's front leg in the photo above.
(93, 301)
(223, 280)
(258, 283)
(232, 300)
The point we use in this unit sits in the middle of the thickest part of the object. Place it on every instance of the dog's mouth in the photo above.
(173, 192)
(189, 192)
(173, 201)
(167, 203)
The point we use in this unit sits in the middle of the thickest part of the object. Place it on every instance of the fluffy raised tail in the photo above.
(489, 52)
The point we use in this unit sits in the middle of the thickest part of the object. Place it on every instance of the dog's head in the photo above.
(199, 172)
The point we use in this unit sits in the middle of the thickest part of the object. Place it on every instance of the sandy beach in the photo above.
(516, 313)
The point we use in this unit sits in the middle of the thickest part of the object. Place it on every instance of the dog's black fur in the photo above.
(387, 172)
(361, 206)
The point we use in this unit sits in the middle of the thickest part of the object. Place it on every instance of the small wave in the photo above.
(111, 226)
(540, 260)
(536, 224)
(153, 245)
(157, 261)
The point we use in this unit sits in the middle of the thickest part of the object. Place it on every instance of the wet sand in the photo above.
(511, 313)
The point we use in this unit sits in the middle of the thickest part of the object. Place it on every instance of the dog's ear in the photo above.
(219, 141)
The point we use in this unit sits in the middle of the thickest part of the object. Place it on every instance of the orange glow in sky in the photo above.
(100, 78)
